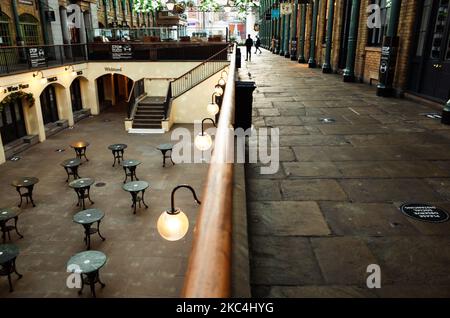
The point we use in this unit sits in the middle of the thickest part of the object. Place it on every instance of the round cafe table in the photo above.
(164, 148)
(71, 167)
(82, 189)
(117, 151)
(129, 166)
(87, 264)
(28, 184)
(5, 216)
(80, 148)
(8, 255)
(134, 187)
(87, 218)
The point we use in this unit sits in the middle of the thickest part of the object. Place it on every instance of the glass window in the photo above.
(426, 13)
(5, 34)
(375, 35)
(30, 29)
(7, 111)
(439, 29)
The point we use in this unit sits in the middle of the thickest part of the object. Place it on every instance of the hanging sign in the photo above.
(37, 57)
(121, 52)
(425, 212)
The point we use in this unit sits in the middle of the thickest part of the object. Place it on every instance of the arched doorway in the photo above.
(49, 105)
(75, 95)
(30, 28)
(12, 122)
(113, 91)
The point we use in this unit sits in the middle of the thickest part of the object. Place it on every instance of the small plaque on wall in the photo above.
(27, 2)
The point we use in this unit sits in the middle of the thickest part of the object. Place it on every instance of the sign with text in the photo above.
(121, 52)
(425, 212)
(37, 57)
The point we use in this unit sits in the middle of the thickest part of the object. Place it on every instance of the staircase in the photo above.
(152, 110)
(149, 113)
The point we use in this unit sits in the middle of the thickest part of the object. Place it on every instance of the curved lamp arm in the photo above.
(205, 119)
(172, 198)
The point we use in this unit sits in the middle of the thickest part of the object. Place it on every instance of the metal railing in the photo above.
(209, 269)
(199, 73)
(22, 58)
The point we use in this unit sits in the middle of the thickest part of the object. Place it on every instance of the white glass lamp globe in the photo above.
(203, 141)
(218, 90)
(224, 75)
(173, 226)
(212, 109)
(222, 81)
(222, 2)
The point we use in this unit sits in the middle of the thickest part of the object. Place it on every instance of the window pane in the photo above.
(439, 28)
(426, 13)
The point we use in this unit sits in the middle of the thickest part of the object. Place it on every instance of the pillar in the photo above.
(115, 12)
(43, 21)
(385, 88)
(282, 34)
(105, 7)
(287, 36)
(326, 67)
(301, 47)
(294, 31)
(349, 72)
(312, 52)
(19, 35)
(2, 152)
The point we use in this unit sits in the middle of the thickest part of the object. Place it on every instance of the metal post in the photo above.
(105, 6)
(384, 87)
(349, 72)
(312, 43)
(301, 48)
(43, 21)
(326, 67)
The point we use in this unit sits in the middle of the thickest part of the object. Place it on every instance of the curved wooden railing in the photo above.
(209, 269)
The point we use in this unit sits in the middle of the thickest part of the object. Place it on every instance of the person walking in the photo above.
(248, 45)
(257, 45)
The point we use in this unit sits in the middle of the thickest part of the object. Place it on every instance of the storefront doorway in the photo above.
(12, 122)
(113, 91)
(430, 67)
(75, 95)
(49, 105)
(344, 33)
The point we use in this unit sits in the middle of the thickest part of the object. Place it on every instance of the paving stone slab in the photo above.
(312, 190)
(311, 169)
(328, 291)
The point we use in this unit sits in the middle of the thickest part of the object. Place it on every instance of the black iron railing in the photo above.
(200, 73)
(22, 58)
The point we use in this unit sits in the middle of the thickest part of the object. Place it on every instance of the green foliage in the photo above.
(17, 96)
(242, 6)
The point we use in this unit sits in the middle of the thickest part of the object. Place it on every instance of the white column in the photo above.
(2, 151)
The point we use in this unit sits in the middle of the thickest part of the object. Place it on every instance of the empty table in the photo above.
(164, 148)
(71, 167)
(8, 255)
(129, 166)
(5, 216)
(117, 151)
(134, 188)
(82, 188)
(80, 148)
(27, 183)
(87, 264)
(87, 218)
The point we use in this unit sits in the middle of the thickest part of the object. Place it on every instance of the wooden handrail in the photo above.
(209, 269)
(202, 63)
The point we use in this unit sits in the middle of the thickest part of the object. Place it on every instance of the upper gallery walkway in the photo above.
(332, 209)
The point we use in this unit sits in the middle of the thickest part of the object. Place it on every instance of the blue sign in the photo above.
(275, 13)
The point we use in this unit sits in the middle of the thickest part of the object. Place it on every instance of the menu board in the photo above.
(121, 52)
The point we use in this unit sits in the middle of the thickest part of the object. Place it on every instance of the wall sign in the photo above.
(27, 2)
(425, 212)
(113, 69)
(275, 13)
(121, 52)
(37, 57)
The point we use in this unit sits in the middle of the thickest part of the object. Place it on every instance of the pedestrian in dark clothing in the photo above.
(257, 45)
(248, 45)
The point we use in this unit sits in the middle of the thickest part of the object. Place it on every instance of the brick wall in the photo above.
(21, 8)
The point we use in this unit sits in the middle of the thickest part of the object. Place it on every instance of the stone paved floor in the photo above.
(332, 208)
(141, 263)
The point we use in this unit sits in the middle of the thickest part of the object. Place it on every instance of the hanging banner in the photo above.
(275, 13)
